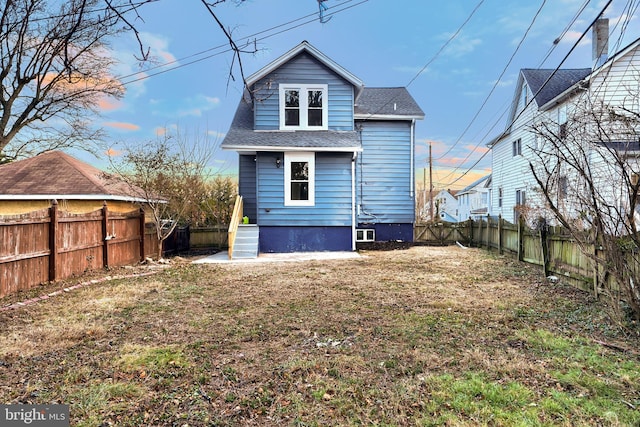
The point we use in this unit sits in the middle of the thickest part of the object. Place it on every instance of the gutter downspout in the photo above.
(413, 144)
(353, 201)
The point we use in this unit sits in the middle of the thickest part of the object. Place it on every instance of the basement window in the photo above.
(365, 235)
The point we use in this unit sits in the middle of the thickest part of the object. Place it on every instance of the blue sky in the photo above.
(384, 43)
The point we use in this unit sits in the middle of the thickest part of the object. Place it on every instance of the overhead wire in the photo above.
(444, 46)
(495, 85)
(576, 43)
(227, 50)
(430, 61)
(552, 48)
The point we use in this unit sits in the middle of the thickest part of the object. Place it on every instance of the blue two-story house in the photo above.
(324, 162)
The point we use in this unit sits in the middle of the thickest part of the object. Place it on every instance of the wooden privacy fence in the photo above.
(50, 245)
(550, 248)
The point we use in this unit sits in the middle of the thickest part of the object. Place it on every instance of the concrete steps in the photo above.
(246, 244)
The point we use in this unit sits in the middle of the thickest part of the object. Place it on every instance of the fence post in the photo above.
(596, 265)
(470, 232)
(488, 233)
(520, 238)
(480, 233)
(53, 241)
(500, 234)
(544, 242)
(141, 223)
(105, 232)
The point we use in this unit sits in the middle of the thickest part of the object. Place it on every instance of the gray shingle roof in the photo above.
(387, 101)
(372, 102)
(560, 81)
(242, 136)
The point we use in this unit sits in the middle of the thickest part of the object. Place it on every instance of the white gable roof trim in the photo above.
(305, 46)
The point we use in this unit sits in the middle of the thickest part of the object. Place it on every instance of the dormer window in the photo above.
(303, 107)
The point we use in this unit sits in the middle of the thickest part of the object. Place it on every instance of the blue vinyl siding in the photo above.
(384, 187)
(247, 186)
(332, 193)
(303, 69)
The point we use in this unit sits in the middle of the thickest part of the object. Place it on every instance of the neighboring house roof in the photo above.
(547, 84)
(306, 47)
(242, 137)
(57, 175)
(447, 217)
(475, 184)
(387, 102)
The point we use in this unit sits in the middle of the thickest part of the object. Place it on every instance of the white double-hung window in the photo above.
(299, 179)
(303, 107)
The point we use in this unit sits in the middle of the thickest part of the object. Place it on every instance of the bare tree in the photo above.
(169, 174)
(587, 170)
(54, 70)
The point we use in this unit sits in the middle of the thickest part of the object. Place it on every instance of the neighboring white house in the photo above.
(473, 200)
(445, 206)
(551, 102)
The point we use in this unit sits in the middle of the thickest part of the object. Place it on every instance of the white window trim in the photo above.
(299, 157)
(516, 147)
(304, 88)
(368, 234)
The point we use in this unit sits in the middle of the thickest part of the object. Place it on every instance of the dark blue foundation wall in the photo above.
(304, 239)
(391, 232)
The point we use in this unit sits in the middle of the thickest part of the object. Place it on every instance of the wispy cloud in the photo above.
(122, 126)
(476, 149)
(109, 104)
(193, 106)
(406, 69)
(460, 46)
(112, 152)
(158, 47)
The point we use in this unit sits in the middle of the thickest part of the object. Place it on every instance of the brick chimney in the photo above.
(600, 43)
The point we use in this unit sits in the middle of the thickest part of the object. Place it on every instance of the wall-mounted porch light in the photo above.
(278, 162)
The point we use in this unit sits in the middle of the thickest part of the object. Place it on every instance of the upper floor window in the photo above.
(562, 122)
(517, 147)
(303, 107)
(299, 181)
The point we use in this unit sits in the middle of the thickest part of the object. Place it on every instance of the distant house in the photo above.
(550, 100)
(445, 206)
(324, 162)
(473, 200)
(32, 184)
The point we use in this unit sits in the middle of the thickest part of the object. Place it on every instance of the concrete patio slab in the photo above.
(223, 257)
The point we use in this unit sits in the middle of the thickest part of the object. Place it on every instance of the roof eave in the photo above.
(91, 197)
(581, 84)
(388, 117)
(305, 46)
(255, 148)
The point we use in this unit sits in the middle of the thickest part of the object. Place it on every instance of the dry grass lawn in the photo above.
(422, 336)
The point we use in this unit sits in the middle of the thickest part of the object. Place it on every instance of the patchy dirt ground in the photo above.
(405, 336)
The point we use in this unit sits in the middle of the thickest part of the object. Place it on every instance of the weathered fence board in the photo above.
(49, 245)
(549, 248)
(209, 237)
